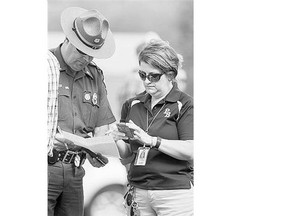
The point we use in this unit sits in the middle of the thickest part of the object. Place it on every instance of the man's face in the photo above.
(74, 58)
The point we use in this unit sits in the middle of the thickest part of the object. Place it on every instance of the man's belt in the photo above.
(67, 156)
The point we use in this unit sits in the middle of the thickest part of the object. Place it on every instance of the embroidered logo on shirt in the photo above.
(167, 112)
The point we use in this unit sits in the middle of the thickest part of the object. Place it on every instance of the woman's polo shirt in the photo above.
(83, 103)
(173, 120)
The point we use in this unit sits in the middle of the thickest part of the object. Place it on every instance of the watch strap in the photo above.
(158, 142)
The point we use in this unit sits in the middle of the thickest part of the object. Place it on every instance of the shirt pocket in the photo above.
(90, 109)
(64, 102)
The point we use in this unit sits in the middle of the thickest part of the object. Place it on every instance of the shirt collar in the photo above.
(174, 94)
(63, 65)
(87, 72)
(144, 97)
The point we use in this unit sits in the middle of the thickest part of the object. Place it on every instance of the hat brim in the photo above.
(67, 18)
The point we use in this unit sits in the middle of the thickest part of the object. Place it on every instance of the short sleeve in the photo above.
(105, 112)
(185, 122)
(124, 111)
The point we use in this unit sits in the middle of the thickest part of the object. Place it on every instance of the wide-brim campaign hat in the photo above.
(88, 31)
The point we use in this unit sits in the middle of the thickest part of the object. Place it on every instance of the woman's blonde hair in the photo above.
(160, 55)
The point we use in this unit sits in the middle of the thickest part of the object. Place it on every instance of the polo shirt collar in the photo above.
(64, 66)
(144, 97)
(174, 94)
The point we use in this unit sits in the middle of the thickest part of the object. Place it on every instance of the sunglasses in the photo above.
(152, 77)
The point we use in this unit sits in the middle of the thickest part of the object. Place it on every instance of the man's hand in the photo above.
(94, 162)
(62, 144)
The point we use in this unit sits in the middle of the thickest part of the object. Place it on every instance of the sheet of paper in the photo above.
(101, 144)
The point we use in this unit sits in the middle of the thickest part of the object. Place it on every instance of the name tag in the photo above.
(141, 157)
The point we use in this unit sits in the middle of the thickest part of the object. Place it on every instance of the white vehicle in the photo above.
(104, 189)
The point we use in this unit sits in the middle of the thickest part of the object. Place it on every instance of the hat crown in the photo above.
(91, 28)
(88, 31)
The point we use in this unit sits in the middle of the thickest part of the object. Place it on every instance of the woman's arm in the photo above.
(179, 149)
(123, 147)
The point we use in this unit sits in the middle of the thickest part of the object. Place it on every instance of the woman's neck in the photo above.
(156, 99)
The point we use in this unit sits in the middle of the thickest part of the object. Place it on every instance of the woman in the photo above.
(161, 118)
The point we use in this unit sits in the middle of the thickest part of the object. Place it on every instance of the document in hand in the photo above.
(100, 144)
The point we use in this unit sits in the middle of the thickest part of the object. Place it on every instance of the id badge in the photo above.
(141, 157)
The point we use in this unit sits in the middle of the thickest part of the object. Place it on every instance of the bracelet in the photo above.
(158, 142)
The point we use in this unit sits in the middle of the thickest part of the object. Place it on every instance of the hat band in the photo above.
(79, 37)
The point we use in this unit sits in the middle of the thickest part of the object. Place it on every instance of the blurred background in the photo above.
(133, 22)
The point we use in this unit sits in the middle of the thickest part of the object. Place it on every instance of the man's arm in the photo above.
(99, 131)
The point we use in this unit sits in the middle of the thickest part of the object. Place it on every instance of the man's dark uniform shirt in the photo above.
(83, 103)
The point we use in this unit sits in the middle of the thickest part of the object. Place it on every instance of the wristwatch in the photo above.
(158, 142)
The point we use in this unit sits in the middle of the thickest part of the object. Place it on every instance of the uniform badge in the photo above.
(87, 96)
(94, 99)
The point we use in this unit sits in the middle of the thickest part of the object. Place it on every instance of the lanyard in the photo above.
(149, 125)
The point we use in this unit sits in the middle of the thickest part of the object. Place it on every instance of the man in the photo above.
(52, 99)
(83, 107)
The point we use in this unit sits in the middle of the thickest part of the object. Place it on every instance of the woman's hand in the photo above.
(117, 135)
(140, 134)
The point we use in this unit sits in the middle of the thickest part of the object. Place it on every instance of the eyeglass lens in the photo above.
(152, 77)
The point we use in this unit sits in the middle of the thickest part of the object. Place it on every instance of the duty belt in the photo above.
(67, 156)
